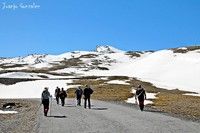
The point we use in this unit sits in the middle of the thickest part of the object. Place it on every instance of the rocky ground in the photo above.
(22, 122)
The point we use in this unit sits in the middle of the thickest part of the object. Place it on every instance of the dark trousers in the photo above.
(78, 100)
(45, 103)
(85, 103)
(57, 100)
(141, 104)
(63, 101)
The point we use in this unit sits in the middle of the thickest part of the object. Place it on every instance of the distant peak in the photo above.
(107, 49)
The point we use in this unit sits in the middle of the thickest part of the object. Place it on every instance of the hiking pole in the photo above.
(50, 106)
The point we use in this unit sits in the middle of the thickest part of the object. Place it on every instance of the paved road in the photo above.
(109, 118)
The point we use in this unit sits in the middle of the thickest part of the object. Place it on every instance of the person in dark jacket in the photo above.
(57, 94)
(87, 92)
(140, 96)
(79, 93)
(63, 95)
(45, 100)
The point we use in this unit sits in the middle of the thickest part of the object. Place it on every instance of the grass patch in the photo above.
(178, 104)
(96, 62)
(133, 54)
(11, 81)
(88, 56)
(190, 48)
(106, 92)
(7, 65)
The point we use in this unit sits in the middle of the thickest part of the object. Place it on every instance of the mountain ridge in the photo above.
(169, 68)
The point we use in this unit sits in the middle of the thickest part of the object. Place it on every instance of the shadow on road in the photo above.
(69, 106)
(56, 116)
(154, 111)
(99, 108)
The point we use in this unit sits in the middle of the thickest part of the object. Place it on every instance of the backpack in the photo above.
(79, 92)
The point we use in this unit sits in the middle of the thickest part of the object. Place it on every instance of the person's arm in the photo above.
(56, 93)
(136, 95)
(91, 91)
(145, 96)
(50, 96)
(41, 97)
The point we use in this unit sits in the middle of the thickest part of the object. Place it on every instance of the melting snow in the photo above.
(148, 96)
(29, 75)
(31, 89)
(117, 82)
(192, 94)
(8, 112)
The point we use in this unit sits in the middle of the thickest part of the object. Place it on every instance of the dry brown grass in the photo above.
(182, 105)
(104, 91)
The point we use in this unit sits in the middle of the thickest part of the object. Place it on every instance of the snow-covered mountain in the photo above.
(107, 49)
(170, 68)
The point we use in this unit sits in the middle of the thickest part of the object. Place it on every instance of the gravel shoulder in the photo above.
(24, 121)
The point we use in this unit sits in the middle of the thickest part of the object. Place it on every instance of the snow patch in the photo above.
(29, 75)
(107, 49)
(31, 89)
(192, 94)
(118, 82)
(8, 112)
(148, 96)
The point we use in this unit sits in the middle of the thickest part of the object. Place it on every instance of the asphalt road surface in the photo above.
(105, 117)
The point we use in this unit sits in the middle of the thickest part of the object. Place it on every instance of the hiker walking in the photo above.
(57, 94)
(140, 96)
(87, 92)
(45, 100)
(63, 95)
(79, 93)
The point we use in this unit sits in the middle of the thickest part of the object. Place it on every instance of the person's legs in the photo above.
(57, 100)
(85, 102)
(141, 104)
(79, 100)
(46, 107)
(63, 101)
(46, 110)
(89, 105)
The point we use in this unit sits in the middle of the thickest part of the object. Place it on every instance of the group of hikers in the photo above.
(140, 95)
(61, 95)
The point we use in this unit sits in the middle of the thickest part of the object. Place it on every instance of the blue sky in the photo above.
(67, 25)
